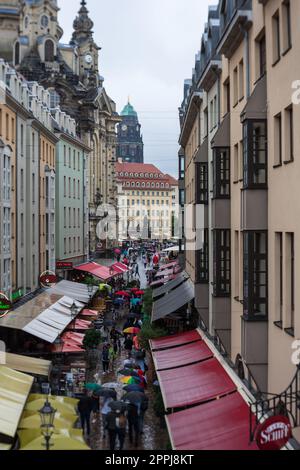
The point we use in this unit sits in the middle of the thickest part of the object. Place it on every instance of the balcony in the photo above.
(210, 74)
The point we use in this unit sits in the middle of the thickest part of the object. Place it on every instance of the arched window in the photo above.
(49, 51)
(17, 53)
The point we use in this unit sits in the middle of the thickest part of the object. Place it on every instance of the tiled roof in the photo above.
(142, 168)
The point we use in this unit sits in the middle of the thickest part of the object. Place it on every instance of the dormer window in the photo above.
(122, 174)
(136, 175)
(146, 175)
(131, 174)
(126, 174)
(156, 175)
(151, 175)
(142, 175)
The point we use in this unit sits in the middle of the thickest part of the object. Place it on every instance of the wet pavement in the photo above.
(155, 436)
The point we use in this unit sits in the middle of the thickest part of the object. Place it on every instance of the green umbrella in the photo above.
(94, 387)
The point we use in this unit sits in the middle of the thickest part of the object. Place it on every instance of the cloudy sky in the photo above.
(148, 49)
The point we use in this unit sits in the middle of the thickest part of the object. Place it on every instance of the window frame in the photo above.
(221, 263)
(249, 165)
(218, 181)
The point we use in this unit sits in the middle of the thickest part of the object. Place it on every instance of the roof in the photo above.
(219, 425)
(102, 272)
(137, 168)
(194, 384)
(14, 391)
(30, 365)
(180, 356)
(222, 136)
(143, 169)
(172, 341)
(129, 110)
(256, 107)
(173, 301)
(173, 181)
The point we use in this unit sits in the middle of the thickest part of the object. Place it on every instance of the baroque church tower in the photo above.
(9, 25)
(71, 74)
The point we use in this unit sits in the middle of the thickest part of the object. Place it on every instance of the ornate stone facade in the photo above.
(71, 73)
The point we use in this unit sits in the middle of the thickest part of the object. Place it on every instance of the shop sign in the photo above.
(64, 265)
(274, 433)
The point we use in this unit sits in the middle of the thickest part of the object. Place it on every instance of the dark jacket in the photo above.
(85, 404)
(105, 355)
(111, 421)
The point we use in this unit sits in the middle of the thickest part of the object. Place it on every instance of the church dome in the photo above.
(129, 111)
(83, 23)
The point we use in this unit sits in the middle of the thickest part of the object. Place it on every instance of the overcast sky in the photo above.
(148, 49)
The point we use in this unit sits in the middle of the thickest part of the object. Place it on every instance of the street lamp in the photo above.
(90, 289)
(74, 312)
(47, 415)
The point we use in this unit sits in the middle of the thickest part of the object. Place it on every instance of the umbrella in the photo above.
(134, 289)
(132, 330)
(111, 385)
(135, 397)
(122, 293)
(139, 292)
(61, 421)
(128, 372)
(134, 388)
(107, 393)
(118, 405)
(58, 405)
(136, 301)
(131, 380)
(94, 387)
(118, 251)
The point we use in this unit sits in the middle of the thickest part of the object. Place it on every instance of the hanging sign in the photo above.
(274, 433)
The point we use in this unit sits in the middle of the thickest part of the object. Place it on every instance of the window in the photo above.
(17, 53)
(22, 185)
(49, 51)
(65, 156)
(289, 135)
(226, 96)
(235, 87)
(74, 159)
(221, 173)
(255, 154)
(236, 163)
(65, 217)
(255, 274)
(241, 80)
(278, 140)
(70, 222)
(276, 37)
(202, 178)
(278, 276)
(74, 218)
(221, 268)
(33, 188)
(202, 271)
(181, 167)
(262, 59)
(286, 21)
(65, 186)
(290, 283)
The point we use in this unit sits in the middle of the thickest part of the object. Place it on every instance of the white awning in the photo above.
(74, 290)
(53, 321)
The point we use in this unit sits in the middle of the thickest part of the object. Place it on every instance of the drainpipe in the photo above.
(247, 61)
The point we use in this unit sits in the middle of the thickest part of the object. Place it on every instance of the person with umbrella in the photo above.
(85, 407)
(105, 358)
(141, 401)
(128, 344)
(116, 426)
(105, 409)
(133, 423)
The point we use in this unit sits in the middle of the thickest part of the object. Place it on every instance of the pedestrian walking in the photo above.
(133, 424)
(104, 412)
(128, 344)
(105, 358)
(137, 272)
(112, 357)
(116, 426)
(85, 407)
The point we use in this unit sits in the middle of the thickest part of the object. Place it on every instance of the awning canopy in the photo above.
(181, 356)
(180, 339)
(202, 154)
(79, 324)
(222, 136)
(194, 384)
(30, 365)
(120, 267)
(169, 286)
(102, 272)
(173, 301)
(88, 313)
(75, 290)
(163, 267)
(14, 390)
(218, 425)
(52, 322)
(256, 107)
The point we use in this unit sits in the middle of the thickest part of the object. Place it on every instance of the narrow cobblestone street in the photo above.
(155, 435)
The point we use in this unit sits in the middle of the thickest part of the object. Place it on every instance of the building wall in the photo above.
(283, 195)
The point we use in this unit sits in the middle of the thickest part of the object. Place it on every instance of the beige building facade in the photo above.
(245, 95)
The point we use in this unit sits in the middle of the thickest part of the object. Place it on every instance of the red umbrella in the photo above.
(139, 292)
(122, 293)
(117, 251)
(134, 289)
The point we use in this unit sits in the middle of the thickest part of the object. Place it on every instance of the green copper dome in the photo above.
(129, 111)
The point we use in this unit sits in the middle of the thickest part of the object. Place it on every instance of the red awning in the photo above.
(175, 340)
(167, 266)
(102, 272)
(79, 324)
(219, 425)
(181, 356)
(194, 384)
(157, 283)
(76, 338)
(120, 267)
(88, 313)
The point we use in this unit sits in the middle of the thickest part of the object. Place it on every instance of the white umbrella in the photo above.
(172, 248)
